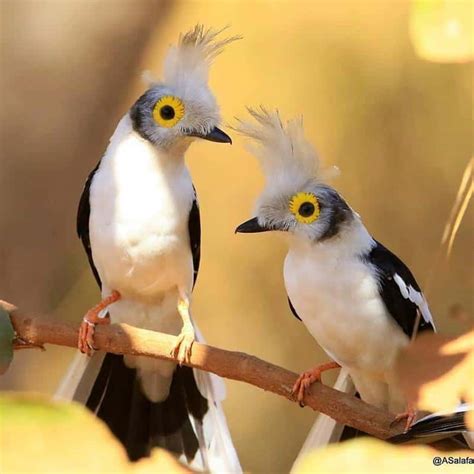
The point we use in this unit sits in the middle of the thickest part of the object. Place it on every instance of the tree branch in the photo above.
(124, 339)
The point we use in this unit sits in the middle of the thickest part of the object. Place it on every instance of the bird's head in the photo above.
(296, 198)
(182, 107)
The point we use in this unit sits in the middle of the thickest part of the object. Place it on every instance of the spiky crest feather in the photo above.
(288, 159)
(191, 58)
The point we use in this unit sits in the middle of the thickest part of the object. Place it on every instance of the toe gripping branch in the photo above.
(306, 379)
(409, 415)
(91, 319)
(183, 348)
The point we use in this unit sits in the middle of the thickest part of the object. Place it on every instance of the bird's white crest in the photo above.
(190, 59)
(286, 156)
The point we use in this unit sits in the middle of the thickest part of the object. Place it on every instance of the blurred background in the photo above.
(398, 126)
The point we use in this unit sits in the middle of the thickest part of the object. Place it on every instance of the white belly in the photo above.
(339, 303)
(140, 200)
(140, 204)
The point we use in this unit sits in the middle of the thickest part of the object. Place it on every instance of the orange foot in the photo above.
(183, 347)
(89, 322)
(306, 379)
(409, 414)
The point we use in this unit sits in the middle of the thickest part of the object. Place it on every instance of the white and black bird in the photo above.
(139, 222)
(357, 299)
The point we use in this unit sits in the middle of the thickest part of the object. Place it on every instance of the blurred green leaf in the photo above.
(39, 435)
(441, 30)
(7, 334)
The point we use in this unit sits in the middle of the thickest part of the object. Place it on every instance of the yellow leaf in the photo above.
(441, 30)
(436, 372)
(160, 461)
(373, 456)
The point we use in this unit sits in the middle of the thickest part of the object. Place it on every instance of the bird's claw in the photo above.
(183, 348)
(87, 330)
(302, 384)
(86, 337)
(85, 342)
(306, 379)
(409, 414)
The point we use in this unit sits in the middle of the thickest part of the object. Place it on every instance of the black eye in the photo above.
(167, 112)
(306, 209)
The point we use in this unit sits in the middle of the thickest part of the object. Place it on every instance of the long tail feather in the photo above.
(80, 377)
(222, 456)
(190, 422)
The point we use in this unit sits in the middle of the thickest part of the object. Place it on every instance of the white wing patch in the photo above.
(416, 297)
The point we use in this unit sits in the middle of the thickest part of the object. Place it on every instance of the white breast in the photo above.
(140, 201)
(336, 296)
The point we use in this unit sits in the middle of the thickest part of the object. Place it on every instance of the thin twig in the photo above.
(465, 191)
(451, 227)
(124, 339)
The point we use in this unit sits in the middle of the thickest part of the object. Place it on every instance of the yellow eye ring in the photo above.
(168, 111)
(305, 207)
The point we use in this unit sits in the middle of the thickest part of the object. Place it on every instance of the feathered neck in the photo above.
(353, 240)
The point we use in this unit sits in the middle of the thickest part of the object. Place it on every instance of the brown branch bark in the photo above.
(124, 339)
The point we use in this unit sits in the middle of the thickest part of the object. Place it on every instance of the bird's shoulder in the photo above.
(399, 290)
(389, 264)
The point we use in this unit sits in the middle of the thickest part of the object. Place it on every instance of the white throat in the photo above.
(353, 240)
(126, 143)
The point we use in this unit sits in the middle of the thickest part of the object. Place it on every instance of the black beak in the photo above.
(251, 226)
(215, 135)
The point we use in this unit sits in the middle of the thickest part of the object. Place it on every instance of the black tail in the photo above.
(141, 424)
(432, 426)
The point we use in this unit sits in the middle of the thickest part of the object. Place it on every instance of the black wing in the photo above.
(402, 308)
(194, 227)
(82, 223)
